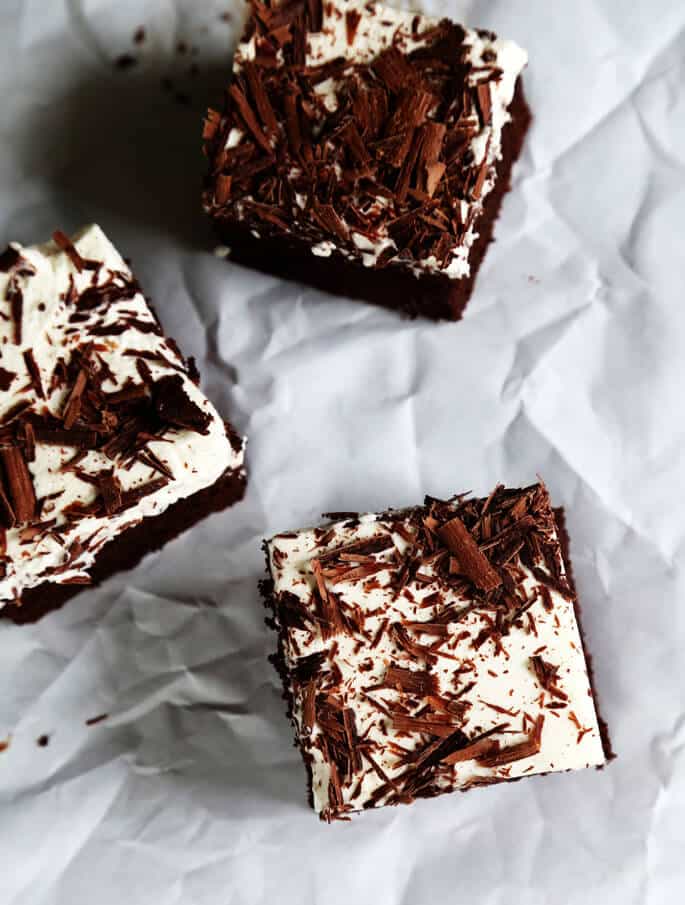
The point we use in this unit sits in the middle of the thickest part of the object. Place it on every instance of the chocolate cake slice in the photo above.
(365, 150)
(108, 448)
(432, 649)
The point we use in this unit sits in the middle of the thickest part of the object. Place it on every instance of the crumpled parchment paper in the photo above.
(569, 363)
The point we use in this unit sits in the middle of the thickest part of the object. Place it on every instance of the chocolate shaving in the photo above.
(481, 746)
(67, 246)
(174, 406)
(508, 755)
(561, 587)
(548, 676)
(410, 646)
(308, 706)
(248, 117)
(77, 437)
(418, 682)
(260, 97)
(393, 69)
(292, 613)
(307, 668)
(34, 373)
(73, 406)
(475, 565)
(118, 288)
(431, 756)
(7, 516)
(16, 299)
(15, 411)
(110, 490)
(404, 723)
(133, 496)
(314, 15)
(19, 483)
(328, 219)
(94, 720)
(9, 259)
(430, 167)
(363, 547)
(484, 102)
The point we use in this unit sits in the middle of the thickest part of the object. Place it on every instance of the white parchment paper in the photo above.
(569, 363)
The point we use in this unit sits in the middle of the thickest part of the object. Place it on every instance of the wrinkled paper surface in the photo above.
(569, 363)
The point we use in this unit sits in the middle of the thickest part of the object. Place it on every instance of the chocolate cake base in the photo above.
(434, 296)
(126, 550)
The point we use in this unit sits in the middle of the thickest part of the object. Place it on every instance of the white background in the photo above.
(569, 363)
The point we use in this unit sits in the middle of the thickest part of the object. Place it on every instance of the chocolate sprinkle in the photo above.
(473, 563)
(19, 483)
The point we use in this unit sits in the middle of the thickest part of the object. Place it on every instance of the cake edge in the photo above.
(267, 590)
(565, 544)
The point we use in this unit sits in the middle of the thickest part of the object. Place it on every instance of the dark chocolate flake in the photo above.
(547, 675)
(307, 668)
(352, 20)
(133, 496)
(9, 259)
(34, 373)
(19, 483)
(248, 117)
(110, 490)
(73, 406)
(511, 753)
(174, 406)
(67, 246)
(484, 102)
(418, 682)
(94, 720)
(6, 378)
(473, 562)
(15, 296)
(117, 289)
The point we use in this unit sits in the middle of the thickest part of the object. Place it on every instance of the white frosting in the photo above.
(504, 679)
(235, 136)
(323, 249)
(196, 460)
(376, 31)
(371, 250)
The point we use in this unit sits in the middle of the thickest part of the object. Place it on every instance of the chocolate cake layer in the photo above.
(107, 446)
(373, 162)
(432, 649)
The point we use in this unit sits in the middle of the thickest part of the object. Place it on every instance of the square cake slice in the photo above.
(108, 448)
(432, 649)
(366, 150)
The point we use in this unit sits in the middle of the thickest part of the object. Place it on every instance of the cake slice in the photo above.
(365, 150)
(432, 649)
(108, 448)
